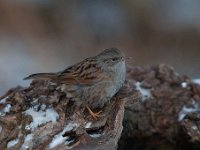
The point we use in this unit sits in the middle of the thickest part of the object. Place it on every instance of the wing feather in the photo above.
(85, 72)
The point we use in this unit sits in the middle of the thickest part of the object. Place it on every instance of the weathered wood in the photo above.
(61, 123)
(167, 117)
(161, 112)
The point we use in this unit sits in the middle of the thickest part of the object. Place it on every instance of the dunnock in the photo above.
(94, 80)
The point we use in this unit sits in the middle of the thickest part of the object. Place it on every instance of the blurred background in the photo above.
(48, 35)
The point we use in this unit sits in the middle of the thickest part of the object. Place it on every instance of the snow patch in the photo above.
(27, 142)
(194, 127)
(43, 107)
(185, 110)
(184, 84)
(5, 110)
(58, 139)
(3, 101)
(95, 135)
(27, 127)
(197, 81)
(88, 125)
(12, 143)
(40, 117)
(146, 93)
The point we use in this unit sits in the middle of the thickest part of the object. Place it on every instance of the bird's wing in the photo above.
(85, 73)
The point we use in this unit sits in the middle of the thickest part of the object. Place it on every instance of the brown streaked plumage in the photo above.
(93, 81)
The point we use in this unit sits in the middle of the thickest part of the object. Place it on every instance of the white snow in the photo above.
(185, 110)
(197, 81)
(36, 107)
(146, 93)
(194, 127)
(5, 110)
(27, 127)
(96, 135)
(194, 108)
(43, 107)
(184, 84)
(27, 142)
(58, 139)
(69, 141)
(12, 143)
(88, 125)
(41, 117)
(3, 101)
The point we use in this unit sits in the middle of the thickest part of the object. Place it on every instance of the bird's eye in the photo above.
(114, 59)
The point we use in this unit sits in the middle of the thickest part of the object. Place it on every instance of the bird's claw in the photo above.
(94, 115)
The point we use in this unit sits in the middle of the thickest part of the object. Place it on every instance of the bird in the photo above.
(93, 81)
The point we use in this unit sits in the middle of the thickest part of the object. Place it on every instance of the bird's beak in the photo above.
(127, 58)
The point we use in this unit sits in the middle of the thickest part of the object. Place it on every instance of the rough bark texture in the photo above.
(161, 112)
(72, 125)
(167, 118)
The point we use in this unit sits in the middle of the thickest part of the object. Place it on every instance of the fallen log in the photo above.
(41, 117)
(167, 117)
(156, 108)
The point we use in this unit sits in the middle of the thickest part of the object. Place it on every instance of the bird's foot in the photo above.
(94, 115)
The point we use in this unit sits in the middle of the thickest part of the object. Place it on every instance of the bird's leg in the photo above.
(94, 115)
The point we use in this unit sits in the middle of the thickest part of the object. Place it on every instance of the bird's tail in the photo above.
(43, 76)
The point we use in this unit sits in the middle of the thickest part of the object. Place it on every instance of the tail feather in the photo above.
(44, 76)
